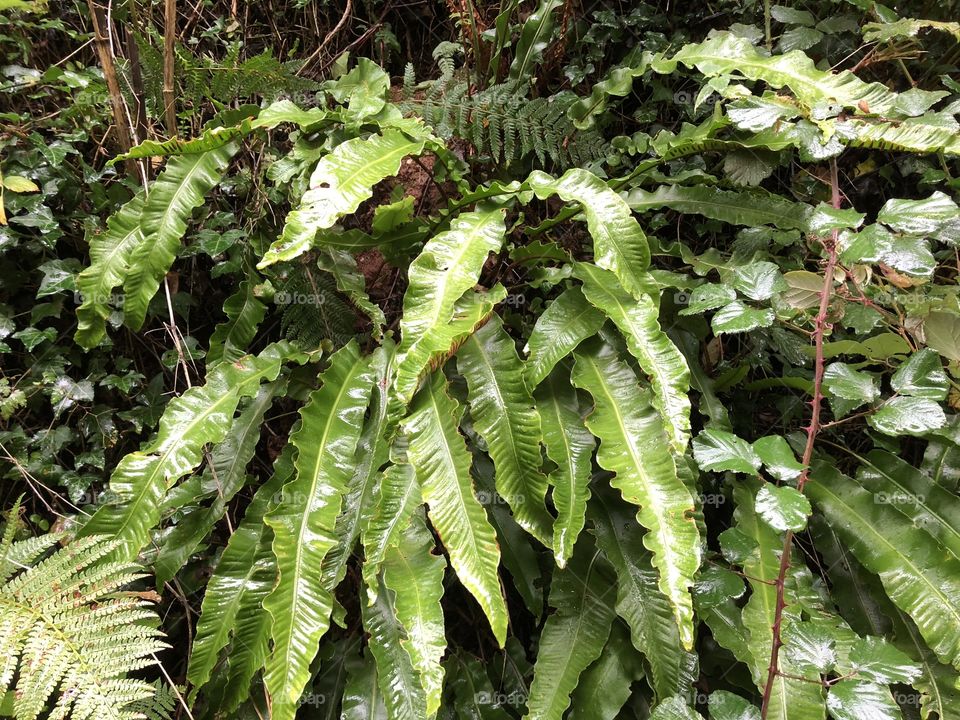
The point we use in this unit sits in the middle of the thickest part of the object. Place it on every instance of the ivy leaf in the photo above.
(921, 376)
(777, 457)
(737, 318)
(783, 508)
(908, 416)
(719, 450)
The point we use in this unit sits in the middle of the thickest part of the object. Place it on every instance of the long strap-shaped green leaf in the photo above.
(574, 636)
(640, 602)
(303, 523)
(399, 680)
(372, 453)
(179, 189)
(659, 358)
(633, 445)
(109, 260)
(448, 266)
(535, 35)
(201, 415)
(619, 244)
(439, 455)
(240, 576)
(398, 495)
(503, 413)
(920, 578)
(928, 505)
(415, 575)
(570, 445)
(341, 181)
(227, 474)
(791, 698)
(245, 311)
(567, 322)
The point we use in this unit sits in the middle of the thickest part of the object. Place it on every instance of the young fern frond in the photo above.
(70, 636)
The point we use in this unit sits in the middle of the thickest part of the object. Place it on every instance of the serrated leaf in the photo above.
(783, 508)
(341, 181)
(737, 318)
(875, 659)
(633, 445)
(439, 455)
(567, 321)
(843, 381)
(619, 245)
(929, 216)
(179, 189)
(304, 521)
(908, 416)
(855, 699)
(727, 706)
(637, 319)
(777, 457)
(922, 376)
(708, 297)
(573, 636)
(719, 451)
(570, 445)
(504, 415)
(448, 266)
(758, 280)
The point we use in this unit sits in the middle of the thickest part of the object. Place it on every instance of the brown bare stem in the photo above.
(820, 327)
(169, 44)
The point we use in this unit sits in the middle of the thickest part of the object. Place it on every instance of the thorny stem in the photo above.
(820, 327)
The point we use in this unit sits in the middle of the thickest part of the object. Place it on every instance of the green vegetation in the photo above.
(528, 360)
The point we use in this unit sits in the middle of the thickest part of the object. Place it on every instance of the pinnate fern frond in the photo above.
(70, 636)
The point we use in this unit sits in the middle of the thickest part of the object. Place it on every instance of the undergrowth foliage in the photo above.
(656, 426)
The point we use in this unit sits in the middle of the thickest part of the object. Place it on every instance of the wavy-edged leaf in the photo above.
(567, 322)
(244, 576)
(415, 575)
(724, 53)
(573, 636)
(917, 575)
(245, 311)
(504, 415)
(398, 497)
(403, 693)
(179, 189)
(638, 319)
(929, 133)
(570, 445)
(110, 254)
(473, 695)
(447, 267)
(619, 245)
(439, 455)
(305, 519)
(341, 181)
(226, 475)
(633, 445)
(372, 452)
(641, 604)
(790, 698)
(737, 208)
(201, 415)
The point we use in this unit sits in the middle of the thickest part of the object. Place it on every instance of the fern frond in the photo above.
(69, 635)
